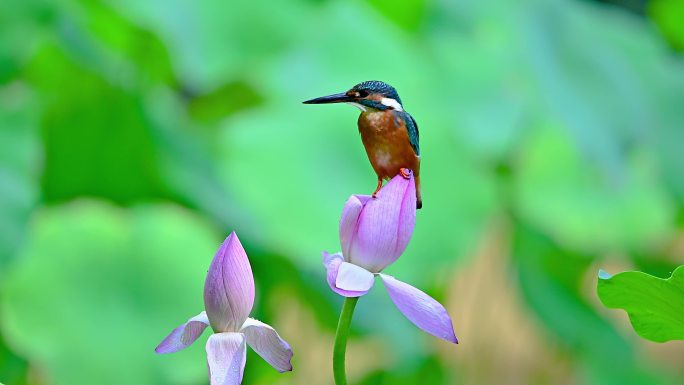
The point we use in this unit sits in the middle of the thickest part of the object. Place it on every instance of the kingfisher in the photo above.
(389, 134)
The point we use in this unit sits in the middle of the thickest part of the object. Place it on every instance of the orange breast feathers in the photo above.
(387, 143)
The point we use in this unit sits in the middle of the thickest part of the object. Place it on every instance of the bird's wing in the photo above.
(412, 128)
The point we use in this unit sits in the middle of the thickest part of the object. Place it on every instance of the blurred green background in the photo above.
(135, 135)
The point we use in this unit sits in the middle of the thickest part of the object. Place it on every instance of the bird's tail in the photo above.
(419, 199)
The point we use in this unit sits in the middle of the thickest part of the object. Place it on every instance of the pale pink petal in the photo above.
(229, 287)
(420, 308)
(353, 278)
(385, 226)
(331, 258)
(332, 264)
(349, 220)
(407, 218)
(184, 335)
(268, 344)
(226, 356)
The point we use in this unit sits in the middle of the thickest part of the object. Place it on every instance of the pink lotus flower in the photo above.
(374, 232)
(228, 300)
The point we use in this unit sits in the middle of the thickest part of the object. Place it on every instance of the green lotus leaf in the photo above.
(655, 305)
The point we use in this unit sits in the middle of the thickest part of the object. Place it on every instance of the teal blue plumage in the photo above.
(411, 127)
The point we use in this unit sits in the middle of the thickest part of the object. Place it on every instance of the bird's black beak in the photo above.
(336, 98)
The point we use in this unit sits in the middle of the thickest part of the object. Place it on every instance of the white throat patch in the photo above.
(389, 102)
(359, 106)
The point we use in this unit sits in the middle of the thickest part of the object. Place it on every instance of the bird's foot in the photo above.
(405, 172)
(375, 193)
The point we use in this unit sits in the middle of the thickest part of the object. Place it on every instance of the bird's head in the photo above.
(372, 94)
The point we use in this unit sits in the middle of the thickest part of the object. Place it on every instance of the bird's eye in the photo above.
(361, 94)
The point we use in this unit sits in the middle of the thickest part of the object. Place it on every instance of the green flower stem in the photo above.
(341, 335)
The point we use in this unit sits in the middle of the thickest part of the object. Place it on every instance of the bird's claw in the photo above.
(405, 173)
